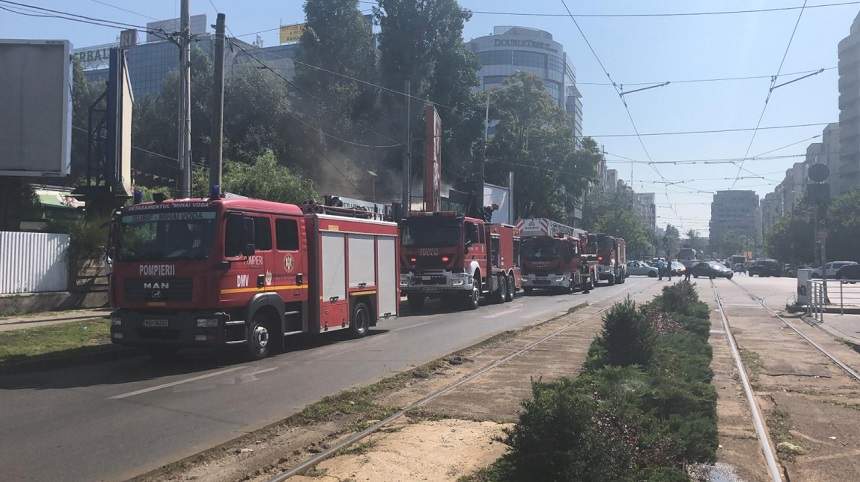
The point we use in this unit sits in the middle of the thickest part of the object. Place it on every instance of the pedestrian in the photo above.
(661, 268)
(687, 274)
(669, 267)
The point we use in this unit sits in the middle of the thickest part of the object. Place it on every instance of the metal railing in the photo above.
(832, 296)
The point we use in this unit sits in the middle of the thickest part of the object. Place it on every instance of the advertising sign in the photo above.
(501, 197)
(432, 159)
(291, 33)
(35, 107)
(120, 106)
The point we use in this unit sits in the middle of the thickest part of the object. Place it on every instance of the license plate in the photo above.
(426, 278)
(155, 323)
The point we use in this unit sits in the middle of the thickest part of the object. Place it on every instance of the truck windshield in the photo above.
(540, 249)
(604, 243)
(166, 235)
(430, 232)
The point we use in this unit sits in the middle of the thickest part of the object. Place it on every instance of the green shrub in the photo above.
(627, 335)
(565, 433)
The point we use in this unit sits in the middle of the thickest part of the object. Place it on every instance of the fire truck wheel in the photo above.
(473, 299)
(260, 337)
(512, 288)
(416, 301)
(502, 286)
(360, 320)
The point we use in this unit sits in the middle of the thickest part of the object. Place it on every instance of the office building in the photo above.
(735, 220)
(151, 63)
(523, 49)
(647, 210)
(849, 109)
(771, 211)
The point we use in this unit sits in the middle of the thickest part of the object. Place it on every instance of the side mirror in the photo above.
(467, 244)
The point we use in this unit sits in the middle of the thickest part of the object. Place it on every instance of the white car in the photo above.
(829, 269)
(641, 268)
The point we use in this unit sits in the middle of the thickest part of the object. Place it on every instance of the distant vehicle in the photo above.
(711, 269)
(641, 268)
(829, 269)
(849, 272)
(789, 270)
(765, 267)
(737, 259)
(678, 268)
(611, 257)
(688, 257)
(739, 267)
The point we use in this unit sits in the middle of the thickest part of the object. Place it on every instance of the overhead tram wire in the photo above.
(106, 4)
(724, 160)
(41, 12)
(614, 86)
(266, 66)
(716, 79)
(655, 14)
(770, 90)
(711, 131)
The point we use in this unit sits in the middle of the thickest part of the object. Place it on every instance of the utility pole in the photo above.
(215, 159)
(484, 157)
(185, 99)
(407, 158)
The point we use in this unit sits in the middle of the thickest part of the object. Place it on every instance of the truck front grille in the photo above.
(173, 289)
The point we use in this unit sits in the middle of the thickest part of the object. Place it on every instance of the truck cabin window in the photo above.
(472, 236)
(540, 249)
(430, 232)
(287, 235)
(165, 235)
(233, 236)
(263, 234)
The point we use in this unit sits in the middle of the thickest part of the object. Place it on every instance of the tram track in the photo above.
(777, 471)
(376, 427)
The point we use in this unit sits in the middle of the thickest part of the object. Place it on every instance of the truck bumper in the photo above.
(181, 329)
(436, 282)
(552, 281)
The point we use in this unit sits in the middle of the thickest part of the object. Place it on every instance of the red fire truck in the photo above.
(552, 257)
(247, 272)
(447, 255)
(611, 257)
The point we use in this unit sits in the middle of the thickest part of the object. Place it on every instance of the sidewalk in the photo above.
(845, 327)
(32, 320)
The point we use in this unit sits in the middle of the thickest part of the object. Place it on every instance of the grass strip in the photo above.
(63, 341)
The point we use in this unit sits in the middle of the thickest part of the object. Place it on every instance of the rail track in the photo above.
(773, 466)
(358, 436)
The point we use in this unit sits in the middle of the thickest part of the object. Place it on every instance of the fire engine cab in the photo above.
(246, 272)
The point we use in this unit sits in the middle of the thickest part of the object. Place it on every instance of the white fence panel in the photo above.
(33, 262)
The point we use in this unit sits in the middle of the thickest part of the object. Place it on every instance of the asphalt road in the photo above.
(120, 419)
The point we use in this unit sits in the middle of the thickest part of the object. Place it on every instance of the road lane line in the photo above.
(173, 384)
(264, 370)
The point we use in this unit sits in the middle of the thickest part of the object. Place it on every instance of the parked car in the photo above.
(678, 268)
(711, 269)
(849, 272)
(765, 267)
(829, 269)
(739, 268)
(641, 268)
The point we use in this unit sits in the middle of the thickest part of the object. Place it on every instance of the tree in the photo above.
(264, 178)
(694, 241)
(791, 239)
(533, 140)
(671, 241)
(337, 38)
(422, 41)
(843, 219)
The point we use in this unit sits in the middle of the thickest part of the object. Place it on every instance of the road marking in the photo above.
(264, 370)
(413, 326)
(173, 384)
(502, 313)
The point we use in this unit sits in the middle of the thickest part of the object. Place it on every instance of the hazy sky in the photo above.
(633, 50)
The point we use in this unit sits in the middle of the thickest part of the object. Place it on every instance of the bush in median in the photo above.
(643, 409)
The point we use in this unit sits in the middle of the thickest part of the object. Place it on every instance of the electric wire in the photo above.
(106, 4)
(712, 131)
(717, 79)
(770, 90)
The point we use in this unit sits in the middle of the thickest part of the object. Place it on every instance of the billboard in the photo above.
(432, 159)
(501, 197)
(120, 107)
(197, 23)
(36, 112)
(93, 58)
(291, 33)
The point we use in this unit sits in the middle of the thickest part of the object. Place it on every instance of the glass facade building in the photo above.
(521, 49)
(150, 64)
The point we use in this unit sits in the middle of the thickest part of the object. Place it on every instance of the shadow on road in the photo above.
(129, 365)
